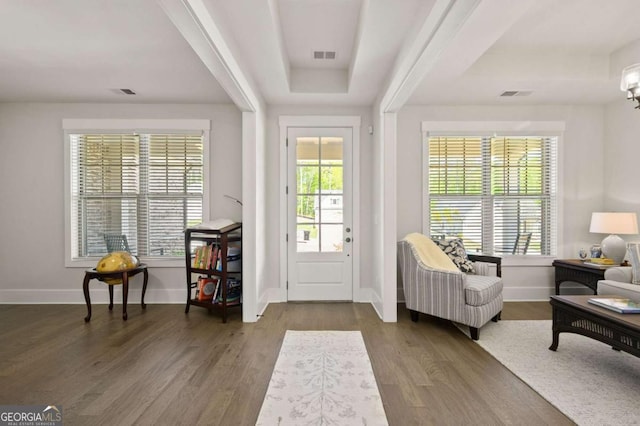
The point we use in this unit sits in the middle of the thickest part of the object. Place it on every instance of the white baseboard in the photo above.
(530, 294)
(98, 296)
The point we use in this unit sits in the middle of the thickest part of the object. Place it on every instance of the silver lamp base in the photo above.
(614, 247)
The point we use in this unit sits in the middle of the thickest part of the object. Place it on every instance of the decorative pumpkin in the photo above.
(114, 262)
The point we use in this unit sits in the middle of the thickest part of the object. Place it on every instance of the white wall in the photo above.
(32, 213)
(274, 187)
(622, 158)
(581, 175)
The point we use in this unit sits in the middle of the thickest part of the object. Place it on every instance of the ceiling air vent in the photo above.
(516, 93)
(324, 54)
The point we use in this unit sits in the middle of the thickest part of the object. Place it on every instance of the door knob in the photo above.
(348, 229)
(348, 240)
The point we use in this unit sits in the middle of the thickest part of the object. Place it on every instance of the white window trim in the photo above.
(498, 128)
(72, 125)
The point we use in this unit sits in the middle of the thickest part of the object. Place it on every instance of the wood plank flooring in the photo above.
(162, 367)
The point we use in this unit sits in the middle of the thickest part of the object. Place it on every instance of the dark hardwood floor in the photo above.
(164, 367)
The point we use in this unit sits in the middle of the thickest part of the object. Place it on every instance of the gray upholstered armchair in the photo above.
(469, 299)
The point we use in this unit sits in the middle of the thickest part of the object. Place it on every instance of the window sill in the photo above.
(527, 261)
(152, 262)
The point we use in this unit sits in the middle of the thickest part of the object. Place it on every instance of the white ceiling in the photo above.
(563, 52)
(79, 51)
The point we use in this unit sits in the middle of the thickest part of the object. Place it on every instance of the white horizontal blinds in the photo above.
(523, 189)
(172, 200)
(488, 191)
(148, 187)
(456, 189)
(106, 174)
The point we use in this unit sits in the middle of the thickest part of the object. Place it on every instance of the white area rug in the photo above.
(322, 378)
(585, 379)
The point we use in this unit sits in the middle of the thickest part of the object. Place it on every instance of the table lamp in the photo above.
(613, 223)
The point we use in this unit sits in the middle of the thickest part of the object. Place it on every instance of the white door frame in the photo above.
(353, 122)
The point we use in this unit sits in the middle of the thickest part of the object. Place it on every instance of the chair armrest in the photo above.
(488, 259)
(621, 274)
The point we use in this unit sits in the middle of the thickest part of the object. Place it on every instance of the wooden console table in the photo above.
(575, 270)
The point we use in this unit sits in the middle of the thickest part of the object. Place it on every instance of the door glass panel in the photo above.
(332, 240)
(307, 179)
(331, 208)
(307, 209)
(319, 194)
(307, 237)
(331, 179)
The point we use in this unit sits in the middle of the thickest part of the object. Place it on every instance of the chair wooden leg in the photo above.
(110, 296)
(87, 298)
(497, 317)
(125, 294)
(475, 333)
(144, 287)
(414, 315)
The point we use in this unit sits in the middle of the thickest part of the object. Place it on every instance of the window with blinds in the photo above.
(497, 194)
(144, 188)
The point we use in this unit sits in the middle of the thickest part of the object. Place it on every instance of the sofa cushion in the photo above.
(454, 248)
(429, 253)
(634, 257)
(617, 288)
(619, 273)
(480, 290)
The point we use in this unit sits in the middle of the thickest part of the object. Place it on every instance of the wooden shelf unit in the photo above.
(220, 237)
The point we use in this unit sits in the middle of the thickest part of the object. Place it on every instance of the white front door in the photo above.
(319, 213)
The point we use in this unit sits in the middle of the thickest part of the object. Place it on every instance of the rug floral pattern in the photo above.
(322, 378)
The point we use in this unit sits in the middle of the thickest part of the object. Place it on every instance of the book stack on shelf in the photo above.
(234, 292)
(205, 256)
(207, 288)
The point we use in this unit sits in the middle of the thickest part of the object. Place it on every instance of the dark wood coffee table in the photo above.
(573, 314)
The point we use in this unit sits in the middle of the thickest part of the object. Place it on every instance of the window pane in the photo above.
(457, 218)
(517, 166)
(167, 223)
(307, 178)
(103, 216)
(146, 187)
(307, 151)
(331, 179)
(493, 192)
(319, 184)
(307, 237)
(331, 238)
(307, 209)
(331, 208)
(519, 217)
(331, 151)
(455, 166)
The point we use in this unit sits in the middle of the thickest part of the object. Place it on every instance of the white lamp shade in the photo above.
(625, 223)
